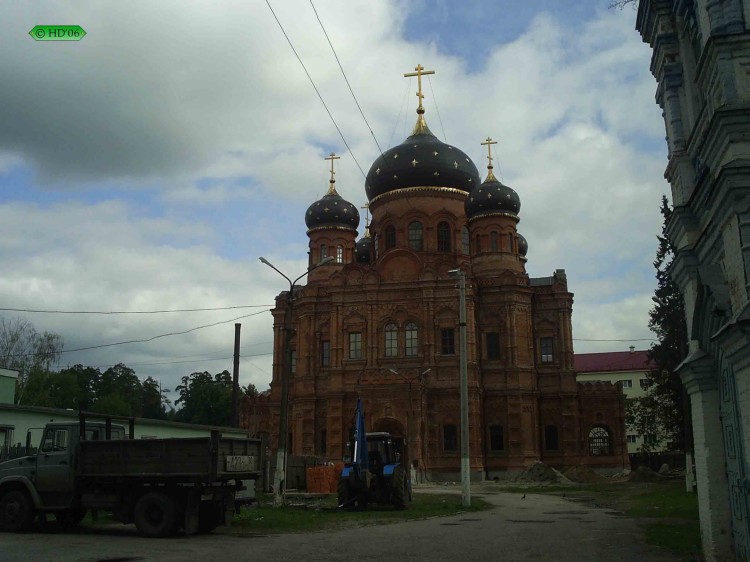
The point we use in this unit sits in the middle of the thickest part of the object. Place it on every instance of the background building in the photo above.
(701, 57)
(628, 368)
(381, 323)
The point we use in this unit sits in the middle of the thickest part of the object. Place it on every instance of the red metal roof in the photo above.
(612, 361)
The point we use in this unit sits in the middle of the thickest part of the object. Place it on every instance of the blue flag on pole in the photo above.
(360, 438)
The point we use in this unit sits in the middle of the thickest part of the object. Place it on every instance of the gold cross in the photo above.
(488, 143)
(420, 71)
(366, 207)
(332, 157)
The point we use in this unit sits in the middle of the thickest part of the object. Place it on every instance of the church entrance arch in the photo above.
(389, 425)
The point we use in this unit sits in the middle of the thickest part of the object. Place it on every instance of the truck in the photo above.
(376, 472)
(161, 485)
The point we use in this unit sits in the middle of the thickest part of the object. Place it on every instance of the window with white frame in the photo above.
(411, 343)
(391, 340)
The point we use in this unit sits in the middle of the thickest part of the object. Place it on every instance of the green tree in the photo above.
(117, 391)
(25, 350)
(664, 409)
(205, 399)
(154, 400)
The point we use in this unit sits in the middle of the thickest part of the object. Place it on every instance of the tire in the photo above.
(344, 496)
(16, 511)
(210, 516)
(70, 517)
(156, 515)
(399, 492)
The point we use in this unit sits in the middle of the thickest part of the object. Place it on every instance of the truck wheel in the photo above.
(209, 516)
(399, 492)
(156, 515)
(16, 511)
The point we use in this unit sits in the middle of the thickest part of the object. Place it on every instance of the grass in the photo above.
(668, 514)
(323, 514)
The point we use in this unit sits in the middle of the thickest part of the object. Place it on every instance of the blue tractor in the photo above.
(377, 472)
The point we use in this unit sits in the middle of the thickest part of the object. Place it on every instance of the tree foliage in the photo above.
(663, 411)
(25, 350)
(207, 399)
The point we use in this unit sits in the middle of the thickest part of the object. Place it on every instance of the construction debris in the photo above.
(540, 472)
(583, 474)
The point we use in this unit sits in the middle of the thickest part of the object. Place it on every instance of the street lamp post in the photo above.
(279, 480)
(464, 384)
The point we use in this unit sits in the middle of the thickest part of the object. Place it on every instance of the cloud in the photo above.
(173, 146)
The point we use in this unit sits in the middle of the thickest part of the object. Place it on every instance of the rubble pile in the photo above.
(540, 472)
(583, 474)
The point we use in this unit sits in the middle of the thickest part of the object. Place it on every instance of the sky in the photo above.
(148, 166)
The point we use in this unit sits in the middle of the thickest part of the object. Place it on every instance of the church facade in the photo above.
(380, 322)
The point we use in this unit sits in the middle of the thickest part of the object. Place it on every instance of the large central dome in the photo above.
(421, 161)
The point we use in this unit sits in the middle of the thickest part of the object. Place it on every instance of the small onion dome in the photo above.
(332, 211)
(523, 245)
(421, 161)
(492, 197)
(363, 248)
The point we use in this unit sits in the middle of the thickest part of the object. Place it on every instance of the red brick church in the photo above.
(381, 322)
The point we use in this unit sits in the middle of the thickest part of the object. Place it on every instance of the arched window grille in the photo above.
(391, 340)
(415, 235)
(339, 254)
(412, 340)
(323, 251)
(465, 240)
(493, 241)
(444, 237)
(600, 442)
(390, 237)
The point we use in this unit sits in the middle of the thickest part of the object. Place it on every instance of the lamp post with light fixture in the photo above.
(279, 480)
(464, 384)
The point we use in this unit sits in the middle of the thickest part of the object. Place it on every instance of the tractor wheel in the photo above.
(399, 493)
(16, 511)
(156, 515)
(344, 497)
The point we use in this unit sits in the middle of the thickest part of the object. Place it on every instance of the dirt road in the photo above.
(516, 529)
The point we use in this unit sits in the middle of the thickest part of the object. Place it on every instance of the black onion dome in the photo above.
(492, 197)
(523, 245)
(363, 248)
(421, 160)
(332, 210)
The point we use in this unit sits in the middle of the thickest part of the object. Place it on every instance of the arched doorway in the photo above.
(389, 425)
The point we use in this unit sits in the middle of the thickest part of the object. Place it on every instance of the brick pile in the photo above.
(323, 479)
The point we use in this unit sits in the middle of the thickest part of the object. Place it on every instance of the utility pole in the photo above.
(236, 377)
(464, 384)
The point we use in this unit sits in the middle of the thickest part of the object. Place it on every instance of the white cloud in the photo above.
(205, 122)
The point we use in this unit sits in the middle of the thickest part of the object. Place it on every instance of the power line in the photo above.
(176, 362)
(437, 109)
(346, 79)
(634, 339)
(315, 88)
(101, 312)
(147, 339)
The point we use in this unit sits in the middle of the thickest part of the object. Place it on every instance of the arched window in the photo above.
(391, 340)
(600, 442)
(377, 246)
(551, 441)
(465, 240)
(323, 251)
(415, 235)
(510, 242)
(412, 336)
(477, 244)
(390, 237)
(339, 254)
(444, 237)
(450, 438)
(493, 241)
